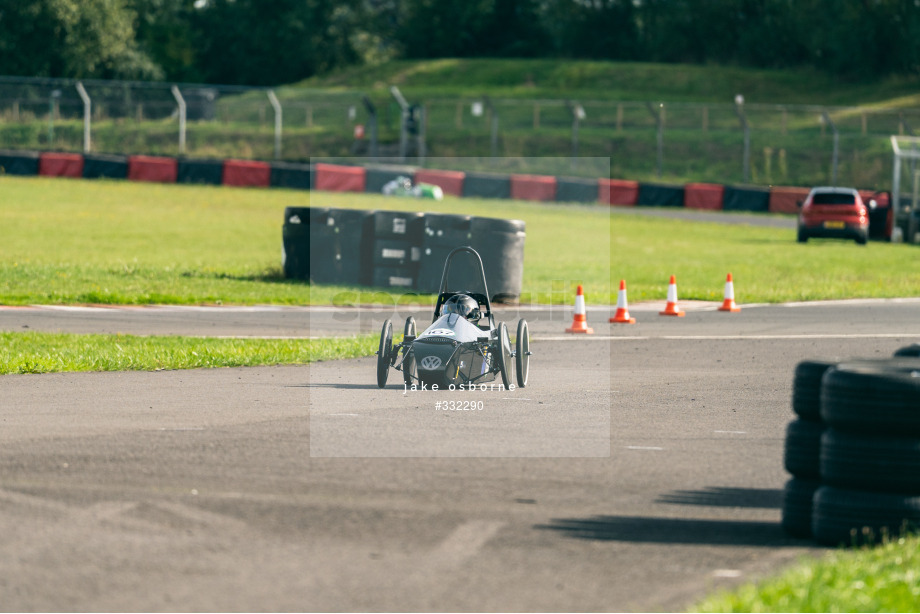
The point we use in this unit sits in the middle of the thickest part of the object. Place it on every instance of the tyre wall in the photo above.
(533, 187)
(739, 198)
(18, 162)
(152, 168)
(105, 166)
(246, 173)
(618, 192)
(450, 182)
(206, 172)
(293, 176)
(660, 195)
(786, 199)
(576, 190)
(54, 164)
(333, 178)
(703, 196)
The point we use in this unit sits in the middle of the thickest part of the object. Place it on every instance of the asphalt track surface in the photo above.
(639, 469)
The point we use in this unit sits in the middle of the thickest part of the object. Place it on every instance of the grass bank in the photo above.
(118, 242)
(880, 579)
(37, 352)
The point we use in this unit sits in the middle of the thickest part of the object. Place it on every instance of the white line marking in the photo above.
(731, 432)
(727, 573)
(912, 334)
(190, 428)
(514, 399)
(344, 414)
(643, 448)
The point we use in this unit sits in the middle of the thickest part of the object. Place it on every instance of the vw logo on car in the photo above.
(430, 363)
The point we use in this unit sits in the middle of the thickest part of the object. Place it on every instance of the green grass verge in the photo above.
(119, 242)
(881, 579)
(37, 352)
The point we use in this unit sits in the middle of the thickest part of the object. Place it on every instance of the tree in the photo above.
(71, 38)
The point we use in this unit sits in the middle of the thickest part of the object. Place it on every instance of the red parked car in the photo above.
(837, 213)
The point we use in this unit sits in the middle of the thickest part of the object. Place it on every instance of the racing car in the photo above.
(462, 348)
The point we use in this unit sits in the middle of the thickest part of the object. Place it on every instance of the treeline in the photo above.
(270, 42)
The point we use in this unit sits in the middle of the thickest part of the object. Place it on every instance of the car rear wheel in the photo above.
(522, 353)
(383, 353)
(503, 355)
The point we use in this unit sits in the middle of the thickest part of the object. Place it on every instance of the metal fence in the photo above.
(735, 142)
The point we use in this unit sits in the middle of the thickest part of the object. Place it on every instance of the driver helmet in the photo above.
(463, 305)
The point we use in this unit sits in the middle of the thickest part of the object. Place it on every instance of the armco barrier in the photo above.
(746, 198)
(334, 178)
(450, 182)
(152, 168)
(202, 171)
(533, 187)
(56, 164)
(618, 192)
(576, 190)
(485, 185)
(247, 173)
(294, 176)
(18, 162)
(703, 196)
(786, 199)
(660, 195)
(105, 166)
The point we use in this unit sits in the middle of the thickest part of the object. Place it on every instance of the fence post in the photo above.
(827, 120)
(746, 162)
(181, 102)
(403, 119)
(659, 129)
(578, 114)
(372, 128)
(276, 107)
(87, 115)
(493, 119)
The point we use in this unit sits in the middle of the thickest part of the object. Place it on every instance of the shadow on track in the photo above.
(716, 496)
(672, 531)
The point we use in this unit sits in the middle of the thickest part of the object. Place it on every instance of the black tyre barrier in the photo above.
(854, 517)
(376, 178)
(288, 175)
(909, 351)
(806, 388)
(399, 225)
(394, 253)
(295, 237)
(660, 195)
(880, 397)
(737, 198)
(500, 243)
(576, 190)
(483, 185)
(802, 452)
(339, 251)
(871, 462)
(442, 233)
(209, 172)
(798, 500)
(394, 277)
(105, 166)
(18, 162)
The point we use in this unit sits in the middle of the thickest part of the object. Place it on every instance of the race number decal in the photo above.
(440, 332)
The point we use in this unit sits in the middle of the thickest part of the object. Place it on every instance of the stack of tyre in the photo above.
(854, 450)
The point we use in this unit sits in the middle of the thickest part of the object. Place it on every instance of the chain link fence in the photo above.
(735, 142)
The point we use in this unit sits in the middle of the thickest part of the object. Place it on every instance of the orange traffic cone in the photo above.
(580, 322)
(622, 314)
(671, 308)
(729, 303)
